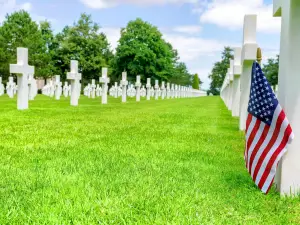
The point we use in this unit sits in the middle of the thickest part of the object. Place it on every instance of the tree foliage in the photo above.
(141, 50)
(83, 42)
(219, 71)
(271, 70)
(196, 82)
(18, 30)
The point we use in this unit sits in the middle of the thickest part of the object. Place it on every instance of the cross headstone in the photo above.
(58, 88)
(249, 52)
(66, 89)
(75, 78)
(88, 90)
(93, 88)
(163, 90)
(236, 82)
(230, 73)
(168, 91)
(131, 92)
(32, 87)
(113, 91)
(138, 88)
(10, 86)
(98, 91)
(288, 173)
(51, 89)
(152, 92)
(143, 91)
(105, 81)
(172, 90)
(148, 86)
(116, 88)
(1, 87)
(22, 69)
(156, 89)
(124, 84)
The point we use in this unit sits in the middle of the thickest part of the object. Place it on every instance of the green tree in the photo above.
(18, 30)
(83, 42)
(219, 71)
(50, 48)
(142, 50)
(196, 82)
(180, 75)
(271, 70)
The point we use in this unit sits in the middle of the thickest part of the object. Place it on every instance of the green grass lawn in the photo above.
(155, 162)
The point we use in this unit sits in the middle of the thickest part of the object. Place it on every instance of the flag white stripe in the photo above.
(267, 140)
(273, 172)
(272, 150)
(251, 126)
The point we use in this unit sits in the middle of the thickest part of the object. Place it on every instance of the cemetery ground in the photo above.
(176, 161)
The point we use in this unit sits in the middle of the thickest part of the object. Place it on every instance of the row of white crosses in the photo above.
(27, 88)
(236, 86)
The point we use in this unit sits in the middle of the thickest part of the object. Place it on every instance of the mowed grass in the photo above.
(175, 161)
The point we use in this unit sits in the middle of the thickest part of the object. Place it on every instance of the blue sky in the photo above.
(199, 29)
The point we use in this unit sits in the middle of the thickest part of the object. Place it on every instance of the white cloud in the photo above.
(230, 14)
(113, 35)
(9, 6)
(191, 48)
(188, 29)
(100, 4)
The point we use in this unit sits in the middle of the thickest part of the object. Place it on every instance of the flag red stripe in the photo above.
(258, 145)
(269, 166)
(249, 118)
(270, 144)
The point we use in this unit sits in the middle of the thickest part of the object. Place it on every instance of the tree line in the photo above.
(219, 71)
(141, 50)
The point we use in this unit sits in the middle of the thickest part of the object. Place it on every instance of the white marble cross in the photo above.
(93, 88)
(10, 86)
(32, 87)
(58, 87)
(51, 88)
(23, 70)
(138, 88)
(288, 176)
(131, 92)
(75, 78)
(116, 88)
(168, 91)
(148, 86)
(98, 91)
(156, 87)
(230, 73)
(66, 89)
(249, 54)
(163, 90)
(105, 81)
(152, 92)
(237, 70)
(1, 87)
(172, 90)
(143, 91)
(124, 84)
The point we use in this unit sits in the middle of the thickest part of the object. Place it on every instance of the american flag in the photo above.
(267, 131)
